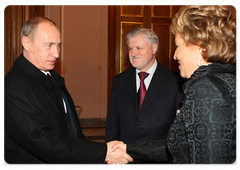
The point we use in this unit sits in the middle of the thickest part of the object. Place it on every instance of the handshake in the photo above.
(117, 153)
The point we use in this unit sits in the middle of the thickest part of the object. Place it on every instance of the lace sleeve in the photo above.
(149, 151)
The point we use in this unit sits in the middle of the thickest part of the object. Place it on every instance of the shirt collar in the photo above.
(151, 70)
(45, 72)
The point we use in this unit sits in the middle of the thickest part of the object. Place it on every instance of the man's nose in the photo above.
(55, 51)
(133, 52)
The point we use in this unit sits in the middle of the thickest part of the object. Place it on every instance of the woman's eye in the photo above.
(176, 46)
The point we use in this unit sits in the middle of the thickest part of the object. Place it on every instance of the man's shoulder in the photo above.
(125, 74)
(165, 70)
(168, 73)
(16, 78)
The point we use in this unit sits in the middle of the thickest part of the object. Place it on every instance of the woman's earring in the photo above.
(199, 62)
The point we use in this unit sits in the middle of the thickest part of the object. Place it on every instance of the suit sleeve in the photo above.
(112, 127)
(149, 151)
(30, 129)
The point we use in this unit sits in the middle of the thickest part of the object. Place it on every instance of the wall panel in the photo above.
(84, 55)
(132, 11)
(165, 38)
(161, 11)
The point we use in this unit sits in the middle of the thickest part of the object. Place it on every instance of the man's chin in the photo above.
(50, 67)
(136, 64)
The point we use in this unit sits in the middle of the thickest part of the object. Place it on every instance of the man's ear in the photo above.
(25, 42)
(154, 48)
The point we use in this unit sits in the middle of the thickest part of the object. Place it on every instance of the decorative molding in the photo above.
(170, 40)
(170, 14)
(132, 15)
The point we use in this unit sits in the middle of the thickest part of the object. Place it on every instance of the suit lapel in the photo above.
(154, 89)
(131, 86)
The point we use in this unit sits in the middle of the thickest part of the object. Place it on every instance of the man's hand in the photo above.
(116, 153)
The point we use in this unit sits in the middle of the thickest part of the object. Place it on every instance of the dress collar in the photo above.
(215, 68)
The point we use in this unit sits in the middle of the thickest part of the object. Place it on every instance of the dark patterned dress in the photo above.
(204, 130)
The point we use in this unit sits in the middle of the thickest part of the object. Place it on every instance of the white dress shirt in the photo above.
(46, 72)
(64, 104)
(148, 79)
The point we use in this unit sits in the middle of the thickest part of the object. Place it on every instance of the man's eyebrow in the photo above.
(53, 43)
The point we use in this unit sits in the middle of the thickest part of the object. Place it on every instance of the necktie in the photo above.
(49, 76)
(142, 89)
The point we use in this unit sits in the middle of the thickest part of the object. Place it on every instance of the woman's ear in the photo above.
(201, 50)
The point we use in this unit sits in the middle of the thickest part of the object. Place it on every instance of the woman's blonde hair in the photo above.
(209, 27)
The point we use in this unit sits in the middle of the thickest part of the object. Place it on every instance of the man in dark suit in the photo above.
(128, 119)
(41, 124)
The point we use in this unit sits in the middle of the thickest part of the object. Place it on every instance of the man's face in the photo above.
(141, 54)
(44, 47)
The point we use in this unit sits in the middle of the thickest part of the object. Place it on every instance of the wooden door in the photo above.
(14, 18)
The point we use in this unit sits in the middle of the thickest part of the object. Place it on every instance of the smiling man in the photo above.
(41, 123)
(143, 110)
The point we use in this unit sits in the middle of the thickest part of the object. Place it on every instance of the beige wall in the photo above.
(84, 55)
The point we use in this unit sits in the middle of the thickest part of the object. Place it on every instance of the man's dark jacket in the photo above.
(163, 98)
(36, 129)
